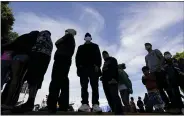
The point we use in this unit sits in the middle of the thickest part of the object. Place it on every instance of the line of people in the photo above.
(163, 74)
(28, 58)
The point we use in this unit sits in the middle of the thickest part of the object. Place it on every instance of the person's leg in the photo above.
(116, 99)
(157, 101)
(108, 95)
(95, 93)
(54, 87)
(161, 83)
(125, 99)
(64, 95)
(5, 67)
(84, 89)
(17, 67)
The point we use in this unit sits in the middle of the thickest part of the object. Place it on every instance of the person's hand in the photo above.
(96, 68)
(113, 81)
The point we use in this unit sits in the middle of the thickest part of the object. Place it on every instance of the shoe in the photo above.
(84, 108)
(5, 107)
(182, 110)
(23, 108)
(96, 108)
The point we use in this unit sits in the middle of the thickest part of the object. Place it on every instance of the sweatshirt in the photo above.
(149, 81)
(110, 70)
(88, 55)
(65, 47)
(154, 60)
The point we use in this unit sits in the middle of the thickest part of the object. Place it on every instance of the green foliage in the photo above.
(12, 35)
(7, 19)
(179, 55)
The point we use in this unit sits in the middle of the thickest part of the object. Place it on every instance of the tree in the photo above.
(179, 55)
(7, 21)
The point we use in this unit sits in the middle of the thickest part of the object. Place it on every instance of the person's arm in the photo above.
(143, 80)
(113, 69)
(78, 57)
(146, 62)
(160, 56)
(98, 58)
(61, 39)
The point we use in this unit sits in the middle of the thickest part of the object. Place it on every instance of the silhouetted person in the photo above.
(155, 61)
(140, 104)
(22, 48)
(60, 81)
(173, 78)
(148, 107)
(154, 98)
(132, 105)
(125, 86)
(110, 83)
(88, 62)
(37, 66)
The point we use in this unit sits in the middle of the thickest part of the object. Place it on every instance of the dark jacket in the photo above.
(23, 44)
(110, 70)
(88, 55)
(65, 47)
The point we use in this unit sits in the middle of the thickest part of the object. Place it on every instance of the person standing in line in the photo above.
(60, 81)
(140, 104)
(125, 86)
(133, 108)
(155, 61)
(148, 107)
(37, 66)
(110, 83)
(173, 79)
(154, 98)
(88, 62)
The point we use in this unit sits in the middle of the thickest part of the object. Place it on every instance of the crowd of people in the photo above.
(27, 59)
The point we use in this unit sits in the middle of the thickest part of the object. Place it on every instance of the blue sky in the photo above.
(121, 28)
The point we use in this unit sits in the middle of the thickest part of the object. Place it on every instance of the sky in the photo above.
(121, 28)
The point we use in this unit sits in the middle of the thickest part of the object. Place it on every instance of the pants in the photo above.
(162, 85)
(5, 68)
(125, 98)
(155, 100)
(59, 81)
(88, 74)
(111, 93)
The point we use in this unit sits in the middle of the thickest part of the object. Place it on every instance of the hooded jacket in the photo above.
(65, 46)
(23, 44)
(110, 70)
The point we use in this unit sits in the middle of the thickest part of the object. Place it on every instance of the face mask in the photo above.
(167, 56)
(148, 47)
(87, 38)
(66, 32)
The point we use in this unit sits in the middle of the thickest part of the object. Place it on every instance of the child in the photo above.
(154, 97)
(132, 105)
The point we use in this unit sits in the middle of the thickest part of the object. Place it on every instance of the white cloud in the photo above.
(142, 22)
(28, 21)
(146, 22)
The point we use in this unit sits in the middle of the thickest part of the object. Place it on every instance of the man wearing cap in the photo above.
(60, 81)
(88, 62)
(155, 61)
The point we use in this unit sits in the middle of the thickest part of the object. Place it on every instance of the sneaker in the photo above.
(84, 108)
(96, 108)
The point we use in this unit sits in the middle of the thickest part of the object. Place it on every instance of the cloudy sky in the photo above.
(121, 28)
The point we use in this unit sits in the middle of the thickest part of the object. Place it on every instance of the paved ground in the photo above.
(77, 113)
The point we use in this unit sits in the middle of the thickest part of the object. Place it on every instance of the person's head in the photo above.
(167, 55)
(139, 98)
(70, 31)
(148, 46)
(105, 55)
(87, 37)
(145, 70)
(132, 99)
(122, 66)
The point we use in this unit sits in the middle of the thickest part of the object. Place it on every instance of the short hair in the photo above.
(139, 97)
(105, 52)
(167, 52)
(145, 68)
(131, 98)
(147, 44)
